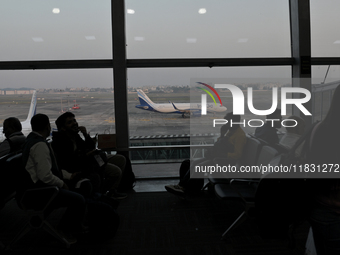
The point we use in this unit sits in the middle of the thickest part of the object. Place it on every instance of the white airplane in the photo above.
(181, 108)
(26, 125)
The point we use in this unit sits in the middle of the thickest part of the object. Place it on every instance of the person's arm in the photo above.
(66, 175)
(63, 151)
(40, 156)
(89, 143)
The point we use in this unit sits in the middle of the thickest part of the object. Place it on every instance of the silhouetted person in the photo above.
(14, 137)
(234, 138)
(325, 213)
(293, 133)
(40, 163)
(268, 132)
(75, 155)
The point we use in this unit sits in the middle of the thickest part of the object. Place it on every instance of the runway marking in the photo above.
(144, 119)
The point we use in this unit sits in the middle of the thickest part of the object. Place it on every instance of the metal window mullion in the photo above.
(120, 74)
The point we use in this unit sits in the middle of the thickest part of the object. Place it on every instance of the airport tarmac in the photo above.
(97, 112)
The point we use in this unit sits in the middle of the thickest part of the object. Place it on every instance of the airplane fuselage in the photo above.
(181, 107)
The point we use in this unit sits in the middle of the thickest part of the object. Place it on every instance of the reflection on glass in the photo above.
(324, 79)
(324, 26)
(325, 74)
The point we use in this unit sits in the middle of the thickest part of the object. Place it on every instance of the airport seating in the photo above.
(249, 157)
(280, 148)
(7, 182)
(266, 154)
(244, 190)
(281, 206)
(7, 190)
(27, 201)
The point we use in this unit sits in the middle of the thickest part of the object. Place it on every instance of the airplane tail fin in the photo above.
(33, 108)
(144, 99)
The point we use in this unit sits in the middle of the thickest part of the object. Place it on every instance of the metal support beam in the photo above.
(301, 50)
(158, 63)
(208, 62)
(120, 74)
(145, 63)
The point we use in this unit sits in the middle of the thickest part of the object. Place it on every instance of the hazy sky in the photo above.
(81, 29)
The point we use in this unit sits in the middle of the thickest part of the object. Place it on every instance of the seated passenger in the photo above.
(235, 139)
(293, 133)
(74, 155)
(40, 163)
(268, 132)
(14, 138)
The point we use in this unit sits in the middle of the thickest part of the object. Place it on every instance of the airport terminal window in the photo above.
(55, 30)
(154, 29)
(172, 85)
(87, 93)
(165, 85)
(207, 29)
(325, 40)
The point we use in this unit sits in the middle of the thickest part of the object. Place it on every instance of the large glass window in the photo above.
(207, 28)
(158, 96)
(54, 30)
(167, 88)
(325, 79)
(81, 29)
(87, 93)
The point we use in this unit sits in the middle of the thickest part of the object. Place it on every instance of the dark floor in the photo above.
(153, 221)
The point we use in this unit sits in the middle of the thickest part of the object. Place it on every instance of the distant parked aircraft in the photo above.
(181, 108)
(76, 107)
(26, 125)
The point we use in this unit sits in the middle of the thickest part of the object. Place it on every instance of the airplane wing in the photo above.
(187, 111)
(180, 110)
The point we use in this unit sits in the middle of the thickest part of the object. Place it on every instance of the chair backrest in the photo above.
(7, 179)
(4, 158)
(38, 199)
(20, 176)
(267, 153)
(14, 162)
(250, 152)
(281, 148)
